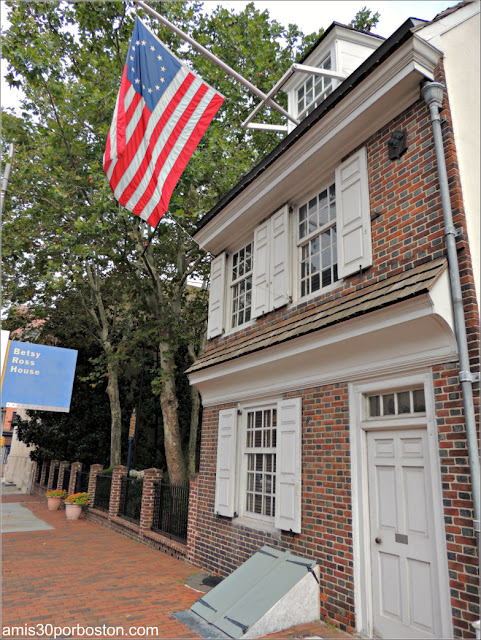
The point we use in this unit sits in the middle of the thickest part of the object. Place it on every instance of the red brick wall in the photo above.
(457, 499)
(408, 231)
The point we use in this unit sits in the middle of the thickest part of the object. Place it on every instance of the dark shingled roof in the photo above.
(403, 286)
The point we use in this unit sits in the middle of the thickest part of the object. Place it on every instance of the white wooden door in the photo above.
(405, 583)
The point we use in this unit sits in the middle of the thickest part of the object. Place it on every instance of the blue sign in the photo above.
(38, 377)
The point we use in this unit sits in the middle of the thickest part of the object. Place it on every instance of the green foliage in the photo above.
(365, 20)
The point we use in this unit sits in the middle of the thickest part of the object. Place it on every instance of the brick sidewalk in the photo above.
(82, 574)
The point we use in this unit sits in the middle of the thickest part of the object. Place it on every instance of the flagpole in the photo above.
(216, 60)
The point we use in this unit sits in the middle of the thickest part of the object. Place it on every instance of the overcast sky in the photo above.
(309, 15)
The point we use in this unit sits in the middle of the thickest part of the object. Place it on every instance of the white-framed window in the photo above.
(314, 90)
(258, 463)
(317, 241)
(258, 472)
(241, 285)
(394, 403)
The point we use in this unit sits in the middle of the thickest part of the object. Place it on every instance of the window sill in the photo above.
(321, 292)
(242, 522)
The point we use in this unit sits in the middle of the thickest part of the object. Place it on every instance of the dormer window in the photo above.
(314, 90)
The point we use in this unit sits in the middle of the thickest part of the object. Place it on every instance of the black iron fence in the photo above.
(171, 509)
(82, 482)
(102, 492)
(131, 498)
(66, 478)
(55, 477)
(38, 473)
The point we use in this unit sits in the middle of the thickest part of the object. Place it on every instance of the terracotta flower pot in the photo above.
(54, 503)
(73, 511)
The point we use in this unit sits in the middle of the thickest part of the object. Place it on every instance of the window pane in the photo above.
(326, 258)
(326, 239)
(323, 216)
(323, 198)
(326, 277)
(418, 400)
(388, 404)
(374, 406)
(403, 402)
(267, 438)
(315, 282)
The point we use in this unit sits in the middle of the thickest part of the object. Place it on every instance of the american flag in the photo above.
(161, 113)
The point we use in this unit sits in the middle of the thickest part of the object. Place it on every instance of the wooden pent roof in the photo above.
(371, 297)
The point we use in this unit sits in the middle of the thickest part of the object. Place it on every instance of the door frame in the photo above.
(360, 494)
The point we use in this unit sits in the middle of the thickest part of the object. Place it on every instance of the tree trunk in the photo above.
(116, 416)
(168, 403)
(194, 427)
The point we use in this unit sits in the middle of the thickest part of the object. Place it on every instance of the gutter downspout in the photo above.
(432, 92)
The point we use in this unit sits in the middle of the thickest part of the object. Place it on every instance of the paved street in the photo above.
(78, 573)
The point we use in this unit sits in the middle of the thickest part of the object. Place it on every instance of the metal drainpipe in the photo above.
(432, 92)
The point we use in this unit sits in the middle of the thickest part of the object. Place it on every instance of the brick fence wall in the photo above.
(140, 531)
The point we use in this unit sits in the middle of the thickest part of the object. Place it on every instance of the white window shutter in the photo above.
(261, 302)
(288, 461)
(280, 285)
(353, 215)
(225, 475)
(215, 323)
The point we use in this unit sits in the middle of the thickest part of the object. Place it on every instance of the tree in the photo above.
(63, 233)
(365, 20)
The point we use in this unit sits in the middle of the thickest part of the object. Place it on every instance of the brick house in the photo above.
(334, 419)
